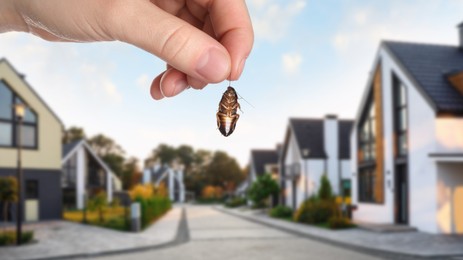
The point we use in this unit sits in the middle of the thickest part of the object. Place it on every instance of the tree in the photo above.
(116, 163)
(131, 174)
(262, 188)
(8, 193)
(166, 154)
(186, 156)
(325, 192)
(104, 145)
(73, 134)
(223, 170)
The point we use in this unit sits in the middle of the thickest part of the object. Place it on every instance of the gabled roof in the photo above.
(31, 89)
(344, 128)
(309, 135)
(260, 158)
(428, 65)
(70, 149)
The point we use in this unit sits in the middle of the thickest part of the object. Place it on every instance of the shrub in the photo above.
(261, 189)
(9, 237)
(325, 191)
(281, 212)
(212, 192)
(99, 203)
(152, 208)
(315, 211)
(235, 202)
(339, 223)
(141, 191)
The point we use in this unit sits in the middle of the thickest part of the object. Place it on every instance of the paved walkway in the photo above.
(416, 244)
(62, 239)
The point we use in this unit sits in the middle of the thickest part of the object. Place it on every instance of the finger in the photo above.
(195, 83)
(173, 82)
(155, 89)
(233, 28)
(180, 44)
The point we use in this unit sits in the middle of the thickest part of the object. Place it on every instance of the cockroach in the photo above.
(227, 115)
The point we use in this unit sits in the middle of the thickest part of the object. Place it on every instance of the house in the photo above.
(84, 173)
(407, 141)
(311, 148)
(171, 176)
(41, 146)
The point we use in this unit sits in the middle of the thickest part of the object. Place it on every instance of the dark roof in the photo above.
(67, 148)
(345, 128)
(156, 175)
(262, 157)
(309, 135)
(428, 66)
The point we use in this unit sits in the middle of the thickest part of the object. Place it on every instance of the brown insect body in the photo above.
(227, 115)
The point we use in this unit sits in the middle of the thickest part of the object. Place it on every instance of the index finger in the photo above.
(233, 28)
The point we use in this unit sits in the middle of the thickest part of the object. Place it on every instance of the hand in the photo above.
(202, 41)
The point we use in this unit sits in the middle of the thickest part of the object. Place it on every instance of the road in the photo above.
(211, 234)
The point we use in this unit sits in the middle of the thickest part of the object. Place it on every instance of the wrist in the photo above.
(10, 19)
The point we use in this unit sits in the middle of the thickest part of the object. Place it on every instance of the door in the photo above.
(401, 194)
(32, 203)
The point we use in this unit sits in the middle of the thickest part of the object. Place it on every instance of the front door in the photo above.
(401, 194)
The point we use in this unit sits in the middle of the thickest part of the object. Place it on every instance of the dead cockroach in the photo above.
(227, 115)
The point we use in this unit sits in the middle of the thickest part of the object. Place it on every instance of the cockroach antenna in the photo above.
(244, 100)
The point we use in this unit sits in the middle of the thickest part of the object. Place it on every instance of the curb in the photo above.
(366, 250)
(182, 236)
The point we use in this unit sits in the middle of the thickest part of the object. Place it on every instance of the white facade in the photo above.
(435, 188)
(170, 174)
(310, 170)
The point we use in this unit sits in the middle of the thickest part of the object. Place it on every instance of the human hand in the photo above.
(202, 41)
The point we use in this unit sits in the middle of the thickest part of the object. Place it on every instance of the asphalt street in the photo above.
(211, 234)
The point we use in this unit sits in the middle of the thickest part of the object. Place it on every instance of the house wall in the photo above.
(450, 198)
(48, 154)
(49, 191)
(345, 168)
(331, 142)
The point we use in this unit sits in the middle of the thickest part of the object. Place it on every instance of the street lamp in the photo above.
(306, 153)
(19, 110)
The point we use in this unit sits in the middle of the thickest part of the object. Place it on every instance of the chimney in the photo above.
(460, 33)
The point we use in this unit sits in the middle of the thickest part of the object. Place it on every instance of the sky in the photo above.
(310, 58)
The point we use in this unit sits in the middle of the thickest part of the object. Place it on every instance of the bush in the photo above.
(235, 202)
(314, 211)
(281, 212)
(339, 223)
(325, 192)
(152, 208)
(9, 237)
(261, 189)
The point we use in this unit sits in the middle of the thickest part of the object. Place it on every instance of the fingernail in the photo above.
(180, 86)
(213, 65)
(240, 68)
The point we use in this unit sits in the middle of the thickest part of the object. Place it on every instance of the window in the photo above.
(9, 127)
(400, 117)
(32, 189)
(367, 179)
(367, 154)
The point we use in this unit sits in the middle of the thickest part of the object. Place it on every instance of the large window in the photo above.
(367, 154)
(9, 124)
(367, 136)
(400, 117)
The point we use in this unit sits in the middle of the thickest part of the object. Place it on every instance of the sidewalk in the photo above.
(62, 239)
(415, 244)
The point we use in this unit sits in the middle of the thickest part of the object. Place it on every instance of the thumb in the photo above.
(177, 42)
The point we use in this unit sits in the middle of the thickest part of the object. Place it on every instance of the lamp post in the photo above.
(19, 110)
(306, 153)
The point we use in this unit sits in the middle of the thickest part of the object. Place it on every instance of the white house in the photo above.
(85, 173)
(314, 147)
(407, 141)
(261, 162)
(171, 176)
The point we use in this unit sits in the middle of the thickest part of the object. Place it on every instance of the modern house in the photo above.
(311, 148)
(85, 174)
(41, 146)
(171, 176)
(407, 141)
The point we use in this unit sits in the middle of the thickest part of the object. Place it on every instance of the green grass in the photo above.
(9, 237)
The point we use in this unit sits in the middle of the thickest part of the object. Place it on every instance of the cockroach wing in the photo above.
(226, 124)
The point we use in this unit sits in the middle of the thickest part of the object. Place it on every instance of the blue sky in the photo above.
(310, 58)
